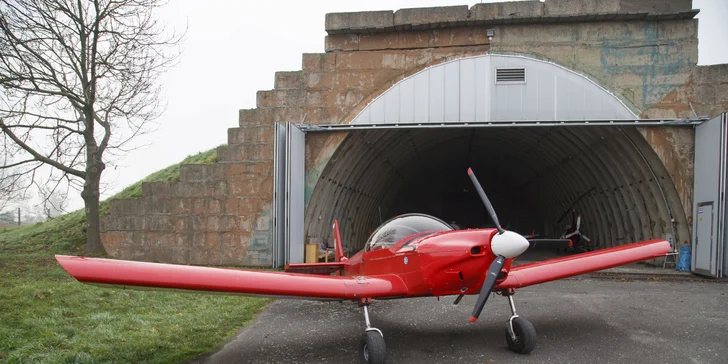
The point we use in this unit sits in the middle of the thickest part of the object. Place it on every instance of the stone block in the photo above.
(678, 29)
(334, 98)
(197, 172)
(269, 116)
(520, 9)
(717, 73)
(264, 168)
(458, 37)
(341, 42)
(705, 94)
(124, 206)
(155, 189)
(213, 223)
(323, 114)
(229, 222)
(434, 15)
(121, 223)
(251, 133)
(203, 189)
(721, 93)
(246, 187)
(318, 62)
(655, 6)
(280, 98)
(241, 205)
(232, 153)
(577, 7)
(397, 40)
(288, 80)
(338, 23)
(113, 241)
(371, 60)
(246, 222)
(245, 152)
(158, 223)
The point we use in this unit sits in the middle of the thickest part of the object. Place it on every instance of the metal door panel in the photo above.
(709, 194)
(279, 189)
(704, 246)
(295, 180)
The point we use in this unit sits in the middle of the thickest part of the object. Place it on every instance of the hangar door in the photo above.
(709, 209)
(288, 194)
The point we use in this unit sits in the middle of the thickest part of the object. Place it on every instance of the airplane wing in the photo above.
(553, 269)
(126, 273)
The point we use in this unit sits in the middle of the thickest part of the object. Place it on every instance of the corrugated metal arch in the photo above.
(466, 90)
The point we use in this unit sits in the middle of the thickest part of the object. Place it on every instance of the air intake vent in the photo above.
(510, 75)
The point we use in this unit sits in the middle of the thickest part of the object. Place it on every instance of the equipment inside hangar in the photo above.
(543, 139)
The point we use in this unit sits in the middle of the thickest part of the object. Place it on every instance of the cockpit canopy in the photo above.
(402, 226)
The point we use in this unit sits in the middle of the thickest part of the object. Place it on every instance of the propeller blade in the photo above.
(488, 284)
(486, 202)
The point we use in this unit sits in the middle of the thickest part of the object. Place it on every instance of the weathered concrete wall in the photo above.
(643, 51)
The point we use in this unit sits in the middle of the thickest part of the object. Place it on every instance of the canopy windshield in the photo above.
(402, 226)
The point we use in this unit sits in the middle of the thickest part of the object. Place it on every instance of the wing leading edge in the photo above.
(235, 281)
(553, 269)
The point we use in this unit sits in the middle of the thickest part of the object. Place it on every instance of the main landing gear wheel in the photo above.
(525, 336)
(520, 333)
(373, 348)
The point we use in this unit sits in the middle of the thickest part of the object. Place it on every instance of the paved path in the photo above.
(577, 321)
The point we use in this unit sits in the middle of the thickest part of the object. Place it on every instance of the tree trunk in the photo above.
(90, 194)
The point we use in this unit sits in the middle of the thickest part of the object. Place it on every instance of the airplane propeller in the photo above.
(505, 244)
(577, 231)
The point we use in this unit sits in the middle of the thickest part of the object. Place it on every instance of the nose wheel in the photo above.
(520, 333)
(373, 350)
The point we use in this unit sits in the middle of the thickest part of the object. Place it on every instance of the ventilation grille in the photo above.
(510, 75)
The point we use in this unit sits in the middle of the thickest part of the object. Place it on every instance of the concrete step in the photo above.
(180, 223)
(280, 98)
(156, 190)
(268, 116)
(251, 134)
(248, 152)
(140, 207)
(288, 80)
(224, 171)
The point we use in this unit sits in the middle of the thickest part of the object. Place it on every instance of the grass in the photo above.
(48, 317)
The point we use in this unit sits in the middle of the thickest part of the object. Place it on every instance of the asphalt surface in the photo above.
(577, 321)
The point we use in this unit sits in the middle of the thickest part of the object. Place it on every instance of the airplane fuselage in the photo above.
(434, 264)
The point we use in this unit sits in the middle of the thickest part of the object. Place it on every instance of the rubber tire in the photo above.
(373, 345)
(525, 334)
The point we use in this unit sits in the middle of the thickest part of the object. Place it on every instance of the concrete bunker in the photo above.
(533, 174)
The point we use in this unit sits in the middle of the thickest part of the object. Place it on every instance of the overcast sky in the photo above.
(233, 49)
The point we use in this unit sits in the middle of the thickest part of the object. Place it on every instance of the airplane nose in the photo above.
(508, 244)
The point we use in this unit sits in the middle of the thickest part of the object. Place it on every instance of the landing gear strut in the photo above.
(373, 349)
(520, 333)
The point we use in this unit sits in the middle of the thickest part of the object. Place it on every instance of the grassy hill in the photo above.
(47, 316)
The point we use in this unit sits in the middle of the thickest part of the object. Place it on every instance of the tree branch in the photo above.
(38, 156)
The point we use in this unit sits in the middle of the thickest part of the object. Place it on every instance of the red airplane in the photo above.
(410, 255)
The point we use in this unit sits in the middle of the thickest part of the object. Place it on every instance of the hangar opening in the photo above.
(534, 172)
(533, 176)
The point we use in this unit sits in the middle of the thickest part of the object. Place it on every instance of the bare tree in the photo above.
(79, 82)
